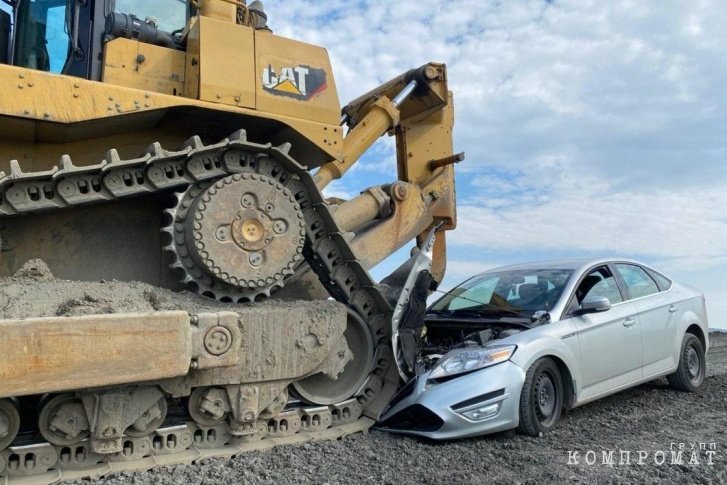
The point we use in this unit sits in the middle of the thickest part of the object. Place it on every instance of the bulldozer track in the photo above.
(78, 462)
(326, 250)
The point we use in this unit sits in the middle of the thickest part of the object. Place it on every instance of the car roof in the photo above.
(575, 264)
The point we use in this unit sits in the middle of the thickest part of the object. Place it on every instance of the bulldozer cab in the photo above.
(66, 36)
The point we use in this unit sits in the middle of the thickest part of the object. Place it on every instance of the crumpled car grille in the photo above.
(414, 418)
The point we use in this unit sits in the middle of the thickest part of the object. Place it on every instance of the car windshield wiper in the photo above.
(451, 312)
(464, 314)
(479, 314)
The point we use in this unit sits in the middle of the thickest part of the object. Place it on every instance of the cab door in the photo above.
(610, 341)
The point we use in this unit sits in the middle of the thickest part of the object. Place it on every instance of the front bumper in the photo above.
(435, 410)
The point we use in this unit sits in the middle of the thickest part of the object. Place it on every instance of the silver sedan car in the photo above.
(515, 346)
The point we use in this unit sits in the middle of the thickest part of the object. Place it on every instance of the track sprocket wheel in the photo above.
(237, 239)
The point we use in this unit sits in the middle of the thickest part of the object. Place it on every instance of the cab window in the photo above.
(638, 281)
(41, 36)
(169, 15)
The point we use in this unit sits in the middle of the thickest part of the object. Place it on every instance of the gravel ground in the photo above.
(650, 418)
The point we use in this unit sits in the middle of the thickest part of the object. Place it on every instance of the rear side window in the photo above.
(661, 280)
(637, 280)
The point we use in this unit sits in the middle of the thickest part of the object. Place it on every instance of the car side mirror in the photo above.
(596, 304)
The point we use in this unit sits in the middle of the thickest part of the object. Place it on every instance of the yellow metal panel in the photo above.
(419, 144)
(43, 97)
(218, 9)
(191, 73)
(379, 241)
(226, 60)
(295, 79)
(144, 66)
(57, 354)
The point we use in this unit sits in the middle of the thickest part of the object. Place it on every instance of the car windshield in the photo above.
(506, 293)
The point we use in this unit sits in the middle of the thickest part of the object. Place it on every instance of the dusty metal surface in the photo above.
(329, 255)
(50, 354)
(63, 335)
(246, 231)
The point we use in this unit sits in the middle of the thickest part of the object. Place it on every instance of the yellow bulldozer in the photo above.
(185, 147)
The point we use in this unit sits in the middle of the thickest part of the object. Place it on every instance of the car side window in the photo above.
(637, 280)
(661, 280)
(598, 283)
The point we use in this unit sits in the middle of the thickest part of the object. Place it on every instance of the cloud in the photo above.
(338, 190)
(550, 210)
(531, 77)
(590, 127)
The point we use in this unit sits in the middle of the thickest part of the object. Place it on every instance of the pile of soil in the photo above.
(33, 291)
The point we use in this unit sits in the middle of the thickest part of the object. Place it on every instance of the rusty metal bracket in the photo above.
(443, 162)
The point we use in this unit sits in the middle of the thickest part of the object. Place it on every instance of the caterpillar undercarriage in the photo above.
(189, 152)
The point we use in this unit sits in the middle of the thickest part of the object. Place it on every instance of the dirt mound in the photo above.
(35, 269)
(34, 292)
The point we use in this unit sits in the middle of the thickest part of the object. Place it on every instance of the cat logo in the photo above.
(302, 82)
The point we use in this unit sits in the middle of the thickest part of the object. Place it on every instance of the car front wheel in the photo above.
(690, 373)
(541, 399)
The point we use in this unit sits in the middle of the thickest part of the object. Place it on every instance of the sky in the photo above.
(591, 128)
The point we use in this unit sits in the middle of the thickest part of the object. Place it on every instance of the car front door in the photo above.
(610, 341)
(658, 317)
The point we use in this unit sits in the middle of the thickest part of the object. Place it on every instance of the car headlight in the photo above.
(466, 360)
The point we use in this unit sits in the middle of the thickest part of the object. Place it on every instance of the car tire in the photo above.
(541, 399)
(692, 367)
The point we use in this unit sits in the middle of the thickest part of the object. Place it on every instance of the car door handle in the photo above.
(673, 308)
(629, 322)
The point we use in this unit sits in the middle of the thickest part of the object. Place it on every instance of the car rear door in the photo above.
(658, 316)
(610, 341)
